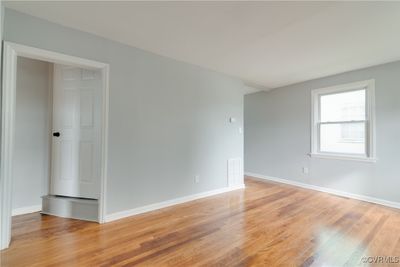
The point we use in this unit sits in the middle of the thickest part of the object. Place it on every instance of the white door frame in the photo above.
(11, 52)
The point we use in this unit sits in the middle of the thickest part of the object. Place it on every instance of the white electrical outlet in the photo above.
(305, 170)
(197, 179)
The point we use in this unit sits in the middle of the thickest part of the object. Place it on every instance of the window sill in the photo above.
(342, 157)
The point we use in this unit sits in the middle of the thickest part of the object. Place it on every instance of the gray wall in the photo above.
(277, 136)
(31, 153)
(168, 120)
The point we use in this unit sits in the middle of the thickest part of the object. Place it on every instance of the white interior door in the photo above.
(76, 145)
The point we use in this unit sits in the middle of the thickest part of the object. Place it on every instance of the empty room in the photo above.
(200, 133)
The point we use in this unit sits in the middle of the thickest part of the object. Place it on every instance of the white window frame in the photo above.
(369, 86)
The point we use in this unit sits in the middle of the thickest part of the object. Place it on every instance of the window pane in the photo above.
(347, 138)
(347, 106)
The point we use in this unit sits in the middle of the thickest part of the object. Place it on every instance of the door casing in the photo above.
(10, 53)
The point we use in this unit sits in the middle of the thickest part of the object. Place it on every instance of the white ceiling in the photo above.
(266, 44)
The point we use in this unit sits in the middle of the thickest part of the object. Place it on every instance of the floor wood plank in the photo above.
(266, 224)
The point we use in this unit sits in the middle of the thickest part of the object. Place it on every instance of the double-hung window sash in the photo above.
(343, 123)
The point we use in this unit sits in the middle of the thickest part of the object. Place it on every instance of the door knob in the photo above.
(56, 134)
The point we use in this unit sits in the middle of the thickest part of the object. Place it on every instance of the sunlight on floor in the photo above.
(337, 248)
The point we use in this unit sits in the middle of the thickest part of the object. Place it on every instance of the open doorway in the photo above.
(57, 140)
(32, 148)
(54, 136)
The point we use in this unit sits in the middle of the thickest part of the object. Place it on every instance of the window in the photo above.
(343, 122)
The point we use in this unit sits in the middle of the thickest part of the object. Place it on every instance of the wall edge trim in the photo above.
(383, 202)
(168, 203)
(26, 210)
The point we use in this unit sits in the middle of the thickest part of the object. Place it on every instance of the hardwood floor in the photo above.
(266, 224)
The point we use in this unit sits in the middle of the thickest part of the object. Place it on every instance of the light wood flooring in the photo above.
(266, 224)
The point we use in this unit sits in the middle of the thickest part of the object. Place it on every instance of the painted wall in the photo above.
(1, 34)
(31, 154)
(277, 136)
(168, 120)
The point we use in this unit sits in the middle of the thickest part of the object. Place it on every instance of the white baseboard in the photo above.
(379, 201)
(168, 203)
(26, 210)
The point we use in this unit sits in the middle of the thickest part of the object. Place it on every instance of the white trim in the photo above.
(168, 203)
(7, 141)
(104, 151)
(26, 210)
(374, 200)
(342, 157)
(371, 119)
(11, 51)
(54, 57)
(369, 86)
